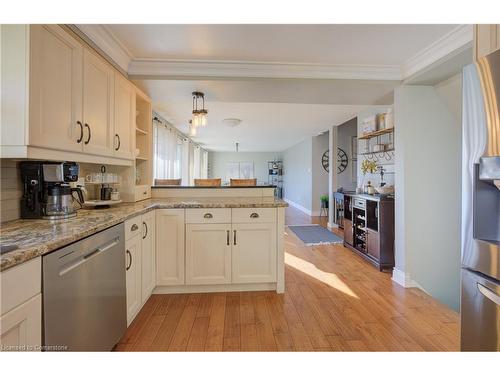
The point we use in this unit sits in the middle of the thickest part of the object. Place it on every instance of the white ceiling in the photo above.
(317, 44)
(275, 114)
(264, 126)
(285, 82)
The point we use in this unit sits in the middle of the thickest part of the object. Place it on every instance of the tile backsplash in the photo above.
(11, 190)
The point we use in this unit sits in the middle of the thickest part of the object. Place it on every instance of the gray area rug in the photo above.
(315, 234)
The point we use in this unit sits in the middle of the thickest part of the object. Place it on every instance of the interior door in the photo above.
(208, 254)
(98, 86)
(55, 89)
(254, 253)
(124, 113)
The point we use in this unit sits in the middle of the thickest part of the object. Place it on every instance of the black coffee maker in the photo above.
(46, 190)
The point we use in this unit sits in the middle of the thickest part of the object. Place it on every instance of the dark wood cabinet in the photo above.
(373, 244)
(369, 228)
(348, 232)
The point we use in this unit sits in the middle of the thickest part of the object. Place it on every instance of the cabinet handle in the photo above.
(134, 228)
(208, 216)
(234, 237)
(119, 142)
(144, 192)
(227, 237)
(79, 140)
(130, 258)
(254, 215)
(146, 227)
(90, 134)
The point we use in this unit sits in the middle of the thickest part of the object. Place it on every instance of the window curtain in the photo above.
(204, 164)
(166, 160)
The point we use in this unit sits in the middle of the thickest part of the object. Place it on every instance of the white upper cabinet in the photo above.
(55, 89)
(124, 118)
(98, 86)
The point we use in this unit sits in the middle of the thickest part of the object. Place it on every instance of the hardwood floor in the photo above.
(334, 301)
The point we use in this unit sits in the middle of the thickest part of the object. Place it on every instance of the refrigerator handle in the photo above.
(488, 293)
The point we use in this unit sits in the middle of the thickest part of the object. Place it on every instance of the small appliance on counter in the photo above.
(46, 190)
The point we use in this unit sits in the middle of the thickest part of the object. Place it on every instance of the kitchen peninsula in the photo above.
(181, 240)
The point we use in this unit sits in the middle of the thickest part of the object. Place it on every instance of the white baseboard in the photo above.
(299, 207)
(404, 279)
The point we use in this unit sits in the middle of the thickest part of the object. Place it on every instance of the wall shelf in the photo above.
(142, 158)
(140, 131)
(377, 133)
(377, 152)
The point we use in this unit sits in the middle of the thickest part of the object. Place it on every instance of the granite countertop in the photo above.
(37, 237)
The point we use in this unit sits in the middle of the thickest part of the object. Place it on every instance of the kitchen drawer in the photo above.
(208, 215)
(254, 215)
(142, 192)
(360, 203)
(20, 283)
(133, 227)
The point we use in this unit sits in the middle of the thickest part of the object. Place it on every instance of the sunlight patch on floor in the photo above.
(326, 277)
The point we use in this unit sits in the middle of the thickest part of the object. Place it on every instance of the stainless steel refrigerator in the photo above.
(480, 302)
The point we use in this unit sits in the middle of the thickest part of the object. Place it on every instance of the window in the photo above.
(167, 148)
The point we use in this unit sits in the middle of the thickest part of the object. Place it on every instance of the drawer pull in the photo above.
(208, 216)
(134, 228)
(130, 259)
(254, 215)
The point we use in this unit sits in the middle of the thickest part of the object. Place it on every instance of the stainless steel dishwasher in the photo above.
(84, 293)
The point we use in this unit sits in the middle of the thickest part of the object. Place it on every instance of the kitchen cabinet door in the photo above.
(208, 254)
(169, 247)
(148, 255)
(254, 253)
(55, 89)
(98, 86)
(348, 231)
(373, 244)
(21, 327)
(133, 277)
(124, 118)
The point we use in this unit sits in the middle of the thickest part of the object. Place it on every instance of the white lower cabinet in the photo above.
(254, 253)
(208, 254)
(21, 328)
(148, 279)
(133, 267)
(21, 307)
(170, 252)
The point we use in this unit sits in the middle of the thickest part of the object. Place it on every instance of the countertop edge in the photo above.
(20, 256)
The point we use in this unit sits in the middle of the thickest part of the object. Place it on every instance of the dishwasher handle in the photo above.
(88, 256)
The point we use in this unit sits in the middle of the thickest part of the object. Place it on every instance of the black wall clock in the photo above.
(342, 161)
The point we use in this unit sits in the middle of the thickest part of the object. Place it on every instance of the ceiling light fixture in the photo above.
(199, 114)
(231, 122)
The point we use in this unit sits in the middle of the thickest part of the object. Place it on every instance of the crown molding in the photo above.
(457, 40)
(107, 42)
(163, 69)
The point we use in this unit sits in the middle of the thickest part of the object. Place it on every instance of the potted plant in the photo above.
(324, 201)
(367, 166)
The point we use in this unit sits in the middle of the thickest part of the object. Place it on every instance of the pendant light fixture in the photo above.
(199, 112)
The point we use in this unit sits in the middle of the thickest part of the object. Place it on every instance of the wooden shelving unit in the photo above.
(377, 133)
